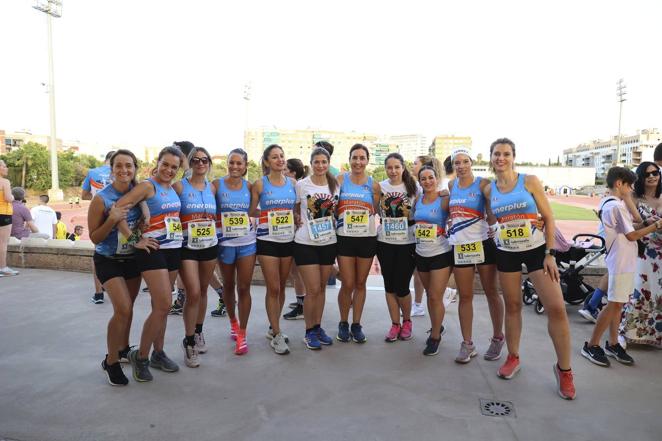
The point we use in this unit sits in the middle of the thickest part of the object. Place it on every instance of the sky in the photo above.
(151, 72)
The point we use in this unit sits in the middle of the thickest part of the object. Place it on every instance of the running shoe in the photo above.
(431, 346)
(494, 351)
(160, 360)
(618, 352)
(234, 329)
(392, 334)
(124, 354)
(565, 385)
(323, 337)
(97, 298)
(595, 355)
(220, 311)
(356, 331)
(145, 289)
(293, 305)
(343, 332)
(200, 343)
(591, 316)
(312, 341)
(295, 314)
(279, 344)
(191, 358)
(241, 344)
(467, 352)
(405, 330)
(114, 373)
(270, 335)
(509, 368)
(450, 296)
(140, 367)
(442, 331)
(417, 310)
(176, 308)
(6, 271)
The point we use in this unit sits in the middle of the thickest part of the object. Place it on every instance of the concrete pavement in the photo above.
(52, 388)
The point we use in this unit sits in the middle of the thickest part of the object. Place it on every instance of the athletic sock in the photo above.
(300, 300)
(189, 340)
(198, 328)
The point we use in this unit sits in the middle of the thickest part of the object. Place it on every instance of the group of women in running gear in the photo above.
(408, 222)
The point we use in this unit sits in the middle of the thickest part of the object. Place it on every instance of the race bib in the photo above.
(321, 229)
(281, 223)
(123, 245)
(395, 229)
(469, 253)
(201, 234)
(235, 224)
(426, 233)
(173, 228)
(356, 222)
(515, 235)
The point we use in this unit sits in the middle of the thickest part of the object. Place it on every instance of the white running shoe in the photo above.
(270, 335)
(417, 310)
(200, 343)
(6, 271)
(279, 345)
(450, 296)
(190, 356)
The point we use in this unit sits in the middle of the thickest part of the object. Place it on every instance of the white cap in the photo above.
(461, 151)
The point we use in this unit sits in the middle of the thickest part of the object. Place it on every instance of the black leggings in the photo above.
(397, 262)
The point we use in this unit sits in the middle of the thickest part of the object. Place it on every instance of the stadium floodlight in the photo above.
(620, 93)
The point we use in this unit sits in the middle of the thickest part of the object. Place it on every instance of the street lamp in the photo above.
(620, 93)
(52, 8)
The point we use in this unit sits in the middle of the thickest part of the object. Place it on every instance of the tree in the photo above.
(379, 173)
(254, 171)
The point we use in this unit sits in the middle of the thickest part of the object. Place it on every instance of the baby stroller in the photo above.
(571, 258)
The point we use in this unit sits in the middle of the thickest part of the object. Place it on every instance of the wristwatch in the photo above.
(550, 252)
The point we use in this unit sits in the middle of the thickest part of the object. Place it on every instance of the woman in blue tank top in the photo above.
(237, 247)
(159, 259)
(434, 258)
(515, 200)
(357, 241)
(275, 236)
(473, 251)
(199, 249)
(113, 258)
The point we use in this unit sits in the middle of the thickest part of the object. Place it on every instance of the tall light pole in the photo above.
(52, 8)
(620, 93)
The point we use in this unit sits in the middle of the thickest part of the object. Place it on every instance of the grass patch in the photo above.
(568, 212)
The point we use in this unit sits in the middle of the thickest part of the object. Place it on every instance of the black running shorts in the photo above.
(107, 268)
(169, 259)
(511, 261)
(314, 254)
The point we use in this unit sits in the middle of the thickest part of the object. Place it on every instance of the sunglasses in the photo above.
(200, 160)
(653, 173)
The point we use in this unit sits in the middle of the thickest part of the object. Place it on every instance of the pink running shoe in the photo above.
(234, 329)
(509, 368)
(405, 330)
(241, 346)
(393, 333)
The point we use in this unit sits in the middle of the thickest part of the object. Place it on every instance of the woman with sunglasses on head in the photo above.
(434, 258)
(159, 259)
(642, 319)
(473, 251)
(297, 171)
(357, 241)
(396, 243)
(315, 242)
(275, 194)
(199, 249)
(516, 199)
(237, 251)
(114, 261)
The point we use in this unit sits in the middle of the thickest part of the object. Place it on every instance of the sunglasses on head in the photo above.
(200, 160)
(653, 173)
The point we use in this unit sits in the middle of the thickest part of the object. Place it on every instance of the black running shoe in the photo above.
(176, 308)
(294, 314)
(97, 298)
(114, 373)
(616, 351)
(431, 346)
(595, 354)
(124, 354)
(220, 311)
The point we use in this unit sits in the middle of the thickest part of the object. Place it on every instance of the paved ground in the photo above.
(52, 388)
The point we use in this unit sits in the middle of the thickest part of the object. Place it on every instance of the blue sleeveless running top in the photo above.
(467, 211)
(164, 204)
(355, 197)
(516, 213)
(228, 200)
(196, 205)
(112, 245)
(275, 198)
(432, 213)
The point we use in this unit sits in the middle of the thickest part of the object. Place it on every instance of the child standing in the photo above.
(621, 260)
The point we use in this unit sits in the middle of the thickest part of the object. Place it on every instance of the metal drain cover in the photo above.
(497, 408)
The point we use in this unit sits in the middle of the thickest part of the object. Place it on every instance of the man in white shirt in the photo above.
(44, 217)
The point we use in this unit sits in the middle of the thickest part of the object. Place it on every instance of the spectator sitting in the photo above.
(21, 220)
(44, 217)
(78, 232)
(60, 227)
